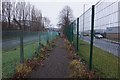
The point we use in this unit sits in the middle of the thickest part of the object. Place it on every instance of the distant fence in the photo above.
(31, 45)
(95, 35)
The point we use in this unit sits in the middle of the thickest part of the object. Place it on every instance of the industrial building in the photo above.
(113, 33)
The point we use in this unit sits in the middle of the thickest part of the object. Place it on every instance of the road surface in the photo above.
(105, 45)
(12, 43)
(8, 44)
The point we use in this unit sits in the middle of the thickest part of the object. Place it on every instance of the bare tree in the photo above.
(6, 11)
(0, 12)
(4, 18)
(26, 16)
(21, 12)
(14, 15)
(36, 17)
(29, 16)
(9, 9)
(32, 17)
(65, 17)
(26, 12)
(46, 22)
(39, 20)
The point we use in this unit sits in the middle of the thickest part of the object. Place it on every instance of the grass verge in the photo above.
(105, 64)
(12, 58)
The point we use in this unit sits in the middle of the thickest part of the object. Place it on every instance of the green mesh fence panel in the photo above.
(11, 48)
(74, 24)
(105, 52)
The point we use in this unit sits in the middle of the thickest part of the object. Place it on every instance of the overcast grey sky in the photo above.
(52, 8)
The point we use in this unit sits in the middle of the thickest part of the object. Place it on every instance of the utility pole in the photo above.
(83, 18)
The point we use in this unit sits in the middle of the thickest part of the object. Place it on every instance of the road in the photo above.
(8, 44)
(12, 43)
(100, 43)
(105, 45)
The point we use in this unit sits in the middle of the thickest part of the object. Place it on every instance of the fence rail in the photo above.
(98, 34)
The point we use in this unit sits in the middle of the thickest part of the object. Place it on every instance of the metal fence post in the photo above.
(21, 47)
(39, 37)
(72, 32)
(21, 42)
(92, 36)
(118, 38)
(77, 33)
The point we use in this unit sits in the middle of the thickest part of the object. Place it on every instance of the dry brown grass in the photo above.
(77, 69)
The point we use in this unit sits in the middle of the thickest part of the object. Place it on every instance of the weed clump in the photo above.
(77, 69)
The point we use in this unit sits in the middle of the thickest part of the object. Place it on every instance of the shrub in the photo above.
(77, 69)
(22, 70)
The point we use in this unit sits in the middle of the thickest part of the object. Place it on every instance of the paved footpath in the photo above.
(56, 65)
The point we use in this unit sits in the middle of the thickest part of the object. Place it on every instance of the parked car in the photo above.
(85, 34)
(98, 36)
